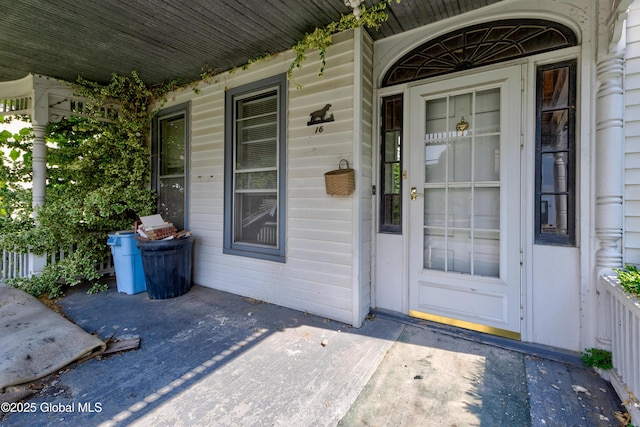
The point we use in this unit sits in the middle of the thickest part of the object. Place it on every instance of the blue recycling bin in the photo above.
(127, 261)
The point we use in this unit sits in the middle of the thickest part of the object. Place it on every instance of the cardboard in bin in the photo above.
(154, 227)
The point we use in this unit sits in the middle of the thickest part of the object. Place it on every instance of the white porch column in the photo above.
(609, 154)
(39, 166)
(39, 184)
(609, 161)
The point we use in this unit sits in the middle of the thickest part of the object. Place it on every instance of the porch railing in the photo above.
(622, 317)
(15, 264)
(102, 268)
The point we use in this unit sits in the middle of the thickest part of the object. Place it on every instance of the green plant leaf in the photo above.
(598, 358)
(629, 279)
(97, 181)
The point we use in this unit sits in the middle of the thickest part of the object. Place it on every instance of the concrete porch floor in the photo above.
(212, 358)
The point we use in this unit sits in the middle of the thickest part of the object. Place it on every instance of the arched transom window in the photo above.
(480, 45)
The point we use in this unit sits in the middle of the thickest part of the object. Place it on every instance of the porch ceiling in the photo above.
(164, 39)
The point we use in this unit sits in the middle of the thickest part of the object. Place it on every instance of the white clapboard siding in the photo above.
(631, 236)
(318, 276)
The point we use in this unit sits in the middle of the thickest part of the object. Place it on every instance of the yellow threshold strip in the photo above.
(466, 325)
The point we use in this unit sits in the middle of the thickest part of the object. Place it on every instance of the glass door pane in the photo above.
(462, 183)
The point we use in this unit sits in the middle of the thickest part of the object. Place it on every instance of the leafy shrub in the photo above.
(598, 358)
(629, 279)
(98, 176)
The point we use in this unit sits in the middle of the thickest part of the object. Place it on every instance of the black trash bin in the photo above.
(167, 266)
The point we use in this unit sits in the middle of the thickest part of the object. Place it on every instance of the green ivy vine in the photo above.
(322, 38)
(98, 176)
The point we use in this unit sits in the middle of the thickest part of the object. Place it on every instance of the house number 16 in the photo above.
(319, 129)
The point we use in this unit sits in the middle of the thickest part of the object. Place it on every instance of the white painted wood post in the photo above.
(609, 155)
(37, 262)
(609, 160)
(39, 166)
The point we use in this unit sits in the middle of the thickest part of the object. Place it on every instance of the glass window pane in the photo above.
(479, 45)
(172, 146)
(435, 161)
(554, 214)
(393, 113)
(555, 88)
(392, 178)
(554, 130)
(257, 128)
(391, 165)
(171, 201)
(486, 254)
(255, 213)
(257, 132)
(434, 207)
(251, 155)
(487, 114)
(487, 158)
(261, 105)
(459, 203)
(554, 172)
(555, 149)
(257, 180)
(434, 249)
(391, 210)
(436, 119)
(460, 106)
(256, 218)
(460, 160)
(486, 209)
(459, 251)
(392, 146)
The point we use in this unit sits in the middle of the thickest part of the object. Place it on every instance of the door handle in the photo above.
(415, 194)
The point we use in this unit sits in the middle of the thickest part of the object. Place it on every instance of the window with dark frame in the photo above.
(555, 154)
(170, 165)
(391, 165)
(255, 123)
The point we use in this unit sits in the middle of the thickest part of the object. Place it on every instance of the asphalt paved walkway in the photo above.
(211, 358)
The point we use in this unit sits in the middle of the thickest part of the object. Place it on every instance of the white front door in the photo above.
(464, 208)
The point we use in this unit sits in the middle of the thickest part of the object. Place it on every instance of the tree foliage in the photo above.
(97, 182)
(15, 172)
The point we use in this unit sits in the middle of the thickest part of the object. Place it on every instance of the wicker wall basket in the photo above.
(341, 181)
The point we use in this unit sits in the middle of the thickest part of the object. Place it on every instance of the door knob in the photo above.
(415, 194)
